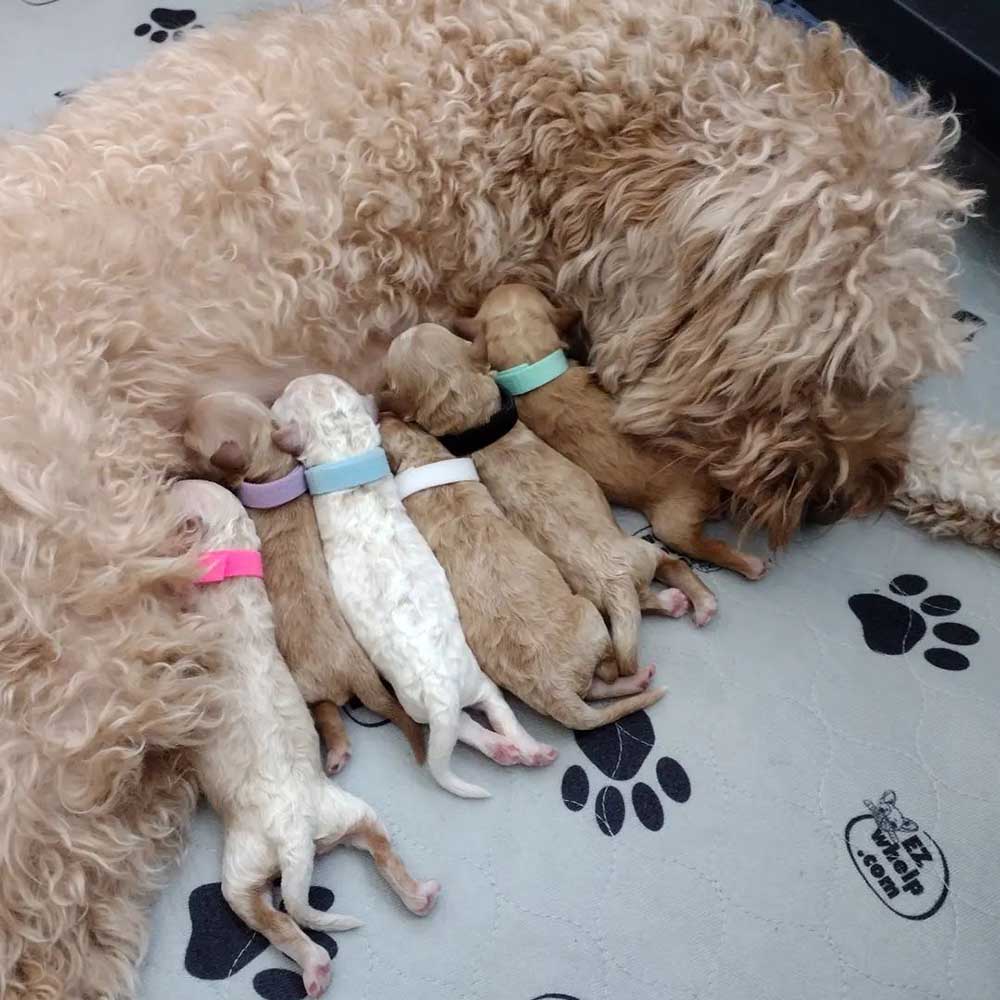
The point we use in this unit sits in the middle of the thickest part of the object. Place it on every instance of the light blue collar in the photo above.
(523, 378)
(331, 477)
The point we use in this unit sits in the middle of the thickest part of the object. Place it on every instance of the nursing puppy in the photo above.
(391, 589)
(260, 769)
(229, 434)
(529, 632)
(433, 378)
(515, 325)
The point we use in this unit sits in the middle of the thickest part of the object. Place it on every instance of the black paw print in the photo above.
(893, 628)
(619, 750)
(221, 944)
(168, 24)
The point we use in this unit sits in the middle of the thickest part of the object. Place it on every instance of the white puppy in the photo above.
(391, 589)
(261, 770)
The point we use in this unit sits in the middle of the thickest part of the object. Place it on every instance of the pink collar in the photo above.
(221, 564)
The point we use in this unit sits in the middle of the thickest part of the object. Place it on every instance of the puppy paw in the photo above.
(539, 756)
(337, 760)
(674, 602)
(422, 902)
(705, 611)
(644, 678)
(505, 752)
(316, 977)
(755, 568)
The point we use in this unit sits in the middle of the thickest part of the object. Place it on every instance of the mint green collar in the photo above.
(523, 378)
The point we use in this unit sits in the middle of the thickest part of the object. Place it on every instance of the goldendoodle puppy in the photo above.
(755, 230)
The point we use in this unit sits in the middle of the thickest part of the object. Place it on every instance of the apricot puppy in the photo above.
(529, 632)
(517, 325)
(435, 379)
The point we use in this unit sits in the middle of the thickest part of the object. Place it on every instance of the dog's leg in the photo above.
(674, 572)
(418, 897)
(503, 720)
(330, 724)
(487, 742)
(683, 530)
(246, 871)
(621, 688)
(369, 688)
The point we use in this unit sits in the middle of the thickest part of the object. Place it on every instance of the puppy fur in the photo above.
(393, 592)
(229, 434)
(752, 258)
(261, 769)
(529, 632)
(516, 324)
(434, 378)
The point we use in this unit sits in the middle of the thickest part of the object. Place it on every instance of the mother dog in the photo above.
(755, 230)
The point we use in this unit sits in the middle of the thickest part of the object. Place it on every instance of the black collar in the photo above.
(475, 438)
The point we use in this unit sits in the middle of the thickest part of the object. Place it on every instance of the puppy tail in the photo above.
(296, 862)
(369, 688)
(574, 713)
(622, 604)
(444, 736)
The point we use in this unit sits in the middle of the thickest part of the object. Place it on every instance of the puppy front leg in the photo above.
(503, 720)
(683, 531)
(330, 724)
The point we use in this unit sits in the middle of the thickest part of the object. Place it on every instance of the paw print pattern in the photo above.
(619, 751)
(167, 23)
(892, 627)
(221, 945)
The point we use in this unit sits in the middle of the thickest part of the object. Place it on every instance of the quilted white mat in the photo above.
(812, 812)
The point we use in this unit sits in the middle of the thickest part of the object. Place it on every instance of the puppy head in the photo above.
(320, 418)
(438, 381)
(228, 438)
(516, 324)
(210, 511)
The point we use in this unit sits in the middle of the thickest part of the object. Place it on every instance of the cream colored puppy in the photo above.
(390, 588)
(261, 769)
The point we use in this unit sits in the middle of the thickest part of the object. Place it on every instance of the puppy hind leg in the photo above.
(503, 720)
(330, 724)
(676, 573)
(487, 742)
(246, 888)
(418, 897)
(622, 605)
(684, 531)
(296, 863)
(444, 726)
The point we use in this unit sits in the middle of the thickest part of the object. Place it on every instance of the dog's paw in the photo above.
(755, 568)
(316, 976)
(674, 602)
(540, 755)
(423, 902)
(619, 751)
(336, 760)
(504, 752)
(705, 610)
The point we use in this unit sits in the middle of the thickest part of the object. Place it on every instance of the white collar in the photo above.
(450, 470)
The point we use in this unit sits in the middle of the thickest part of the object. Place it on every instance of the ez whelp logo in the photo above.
(901, 864)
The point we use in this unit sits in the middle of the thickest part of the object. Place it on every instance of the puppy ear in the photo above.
(229, 457)
(289, 438)
(563, 317)
(469, 327)
(478, 354)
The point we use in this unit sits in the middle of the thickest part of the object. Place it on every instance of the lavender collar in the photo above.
(264, 496)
